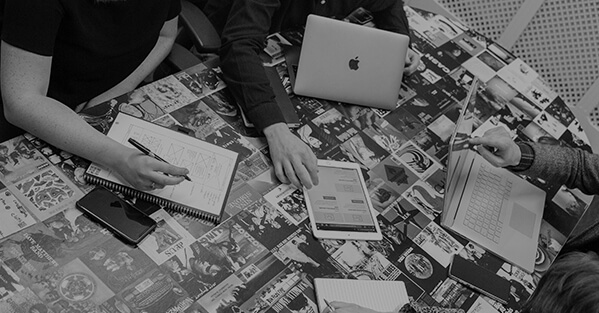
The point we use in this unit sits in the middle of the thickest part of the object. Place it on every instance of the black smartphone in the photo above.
(480, 279)
(116, 214)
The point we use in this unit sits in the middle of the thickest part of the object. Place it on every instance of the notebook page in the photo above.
(378, 295)
(210, 167)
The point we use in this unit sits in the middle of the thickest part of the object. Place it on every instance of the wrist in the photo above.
(525, 157)
(275, 130)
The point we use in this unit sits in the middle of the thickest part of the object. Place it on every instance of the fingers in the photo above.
(163, 174)
(290, 173)
(489, 156)
(299, 171)
(412, 62)
(280, 172)
(340, 304)
(170, 169)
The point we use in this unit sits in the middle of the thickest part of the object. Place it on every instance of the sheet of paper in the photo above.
(210, 167)
(378, 295)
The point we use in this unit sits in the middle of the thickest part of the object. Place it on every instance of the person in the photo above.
(60, 57)
(574, 168)
(243, 26)
(570, 285)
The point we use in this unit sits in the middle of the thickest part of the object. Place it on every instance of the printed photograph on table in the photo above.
(316, 138)
(169, 94)
(302, 252)
(438, 243)
(408, 220)
(14, 216)
(265, 223)
(156, 292)
(452, 294)
(228, 138)
(425, 199)
(74, 168)
(232, 245)
(23, 301)
(364, 150)
(381, 194)
(46, 193)
(168, 238)
(19, 159)
(235, 290)
(199, 118)
(385, 135)
(419, 266)
(289, 201)
(333, 123)
(434, 146)
(396, 175)
(117, 264)
(137, 103)
(73, 286)
(267, 294)
(362, 261)
(414, 158)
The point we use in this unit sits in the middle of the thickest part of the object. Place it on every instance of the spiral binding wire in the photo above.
(169, 205)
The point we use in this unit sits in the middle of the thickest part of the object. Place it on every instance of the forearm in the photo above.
(571, 167)
(58, 125)
(393, 19)
(246, 79)
(242, 42)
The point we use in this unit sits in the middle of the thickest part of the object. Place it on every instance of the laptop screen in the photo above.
(458, 145)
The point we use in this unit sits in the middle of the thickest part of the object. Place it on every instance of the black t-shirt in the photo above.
(93, 45)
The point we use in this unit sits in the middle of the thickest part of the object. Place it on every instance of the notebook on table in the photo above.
(211, 168)
(350, 63)
(490, 206)
(377, 295)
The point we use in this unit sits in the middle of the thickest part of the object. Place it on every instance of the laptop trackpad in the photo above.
(522, 220)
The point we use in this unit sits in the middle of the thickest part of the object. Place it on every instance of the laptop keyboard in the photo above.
(483, 211)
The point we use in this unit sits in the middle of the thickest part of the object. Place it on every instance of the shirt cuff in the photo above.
(526, 159)
(265, 114)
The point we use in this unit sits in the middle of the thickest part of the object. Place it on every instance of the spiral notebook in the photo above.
(211, 168)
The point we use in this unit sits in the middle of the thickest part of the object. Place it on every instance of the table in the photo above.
(262, 257)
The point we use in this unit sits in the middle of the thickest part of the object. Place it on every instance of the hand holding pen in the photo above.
(167, 169)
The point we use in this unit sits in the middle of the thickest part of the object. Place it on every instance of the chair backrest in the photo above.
(197, 29)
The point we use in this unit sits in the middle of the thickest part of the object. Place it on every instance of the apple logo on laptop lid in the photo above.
(353, 64)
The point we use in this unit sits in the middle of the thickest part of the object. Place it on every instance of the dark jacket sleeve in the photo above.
(574, 168)
(392, 19)
(243, 37)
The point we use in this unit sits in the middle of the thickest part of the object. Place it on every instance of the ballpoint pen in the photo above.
(328, 305)
(149, 152)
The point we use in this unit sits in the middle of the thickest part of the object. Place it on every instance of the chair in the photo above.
(196, 35)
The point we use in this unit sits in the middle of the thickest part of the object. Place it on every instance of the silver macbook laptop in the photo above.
(490, 206)
(350, 63)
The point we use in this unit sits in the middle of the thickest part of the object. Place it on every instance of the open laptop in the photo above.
(350, 63)
(490, 206)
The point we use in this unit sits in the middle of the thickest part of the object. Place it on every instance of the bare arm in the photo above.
(24, 79)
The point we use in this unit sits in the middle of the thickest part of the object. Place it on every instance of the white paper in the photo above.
(378, 295)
